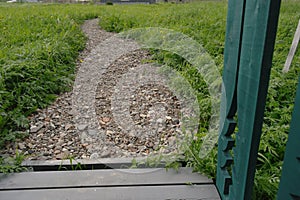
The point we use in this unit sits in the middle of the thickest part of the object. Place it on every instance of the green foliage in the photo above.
(73, 166)
(154, 161)
(38, 50)
(10, 165)
(204, 22)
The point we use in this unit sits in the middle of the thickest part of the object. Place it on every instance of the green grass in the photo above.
(38, 50)
(10, 165)
(39, 45)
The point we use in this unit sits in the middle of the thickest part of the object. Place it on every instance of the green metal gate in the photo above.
(250, 37)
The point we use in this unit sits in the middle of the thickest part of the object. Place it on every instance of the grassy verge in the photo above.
(39, 45)
(38, 50)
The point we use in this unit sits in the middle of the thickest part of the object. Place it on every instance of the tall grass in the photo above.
(38, 50)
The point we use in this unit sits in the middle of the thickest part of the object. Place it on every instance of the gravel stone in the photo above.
(82, 127)
(94, 156)
(35, 129)
(21, 146)
(93, 132)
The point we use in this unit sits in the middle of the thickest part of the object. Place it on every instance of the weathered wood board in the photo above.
(155, 183)
(206, 192)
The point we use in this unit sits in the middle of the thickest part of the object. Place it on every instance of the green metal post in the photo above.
(233, 41)
(259, 24)
(289, 187)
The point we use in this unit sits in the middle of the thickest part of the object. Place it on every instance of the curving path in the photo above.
(101, 118)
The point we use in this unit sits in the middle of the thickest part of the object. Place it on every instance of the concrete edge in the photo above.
(102, 163)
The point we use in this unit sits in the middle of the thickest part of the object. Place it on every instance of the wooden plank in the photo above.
(292, 52)
(90, 178)
(207, 192)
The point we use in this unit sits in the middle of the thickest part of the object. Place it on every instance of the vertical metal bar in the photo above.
(260, 26)
(233, 40)
(289, 187)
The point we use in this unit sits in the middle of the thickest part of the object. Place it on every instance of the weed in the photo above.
(10, 165)
(74, 165)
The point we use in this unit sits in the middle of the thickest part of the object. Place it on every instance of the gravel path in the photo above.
(112, 111)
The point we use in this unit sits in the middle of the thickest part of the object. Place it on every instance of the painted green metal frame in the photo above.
(250, 37)
(289, 187)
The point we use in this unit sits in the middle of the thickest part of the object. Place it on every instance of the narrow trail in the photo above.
(86, 123)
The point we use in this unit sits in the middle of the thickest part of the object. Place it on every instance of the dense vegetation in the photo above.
(39, 44)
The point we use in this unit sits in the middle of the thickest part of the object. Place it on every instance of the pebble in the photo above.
(59, 143)
(57, 151)
(105, 154)
(85, 144)
(93, 132)
(46, 153)
(82, 127)
(105, 119)
(58, 148)
(30, 151)
(60, 156)
(21, 146)
(83, 156)
(52, 126)
(94, 156)
(160, 121)
(34, 129)
(68, 126)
